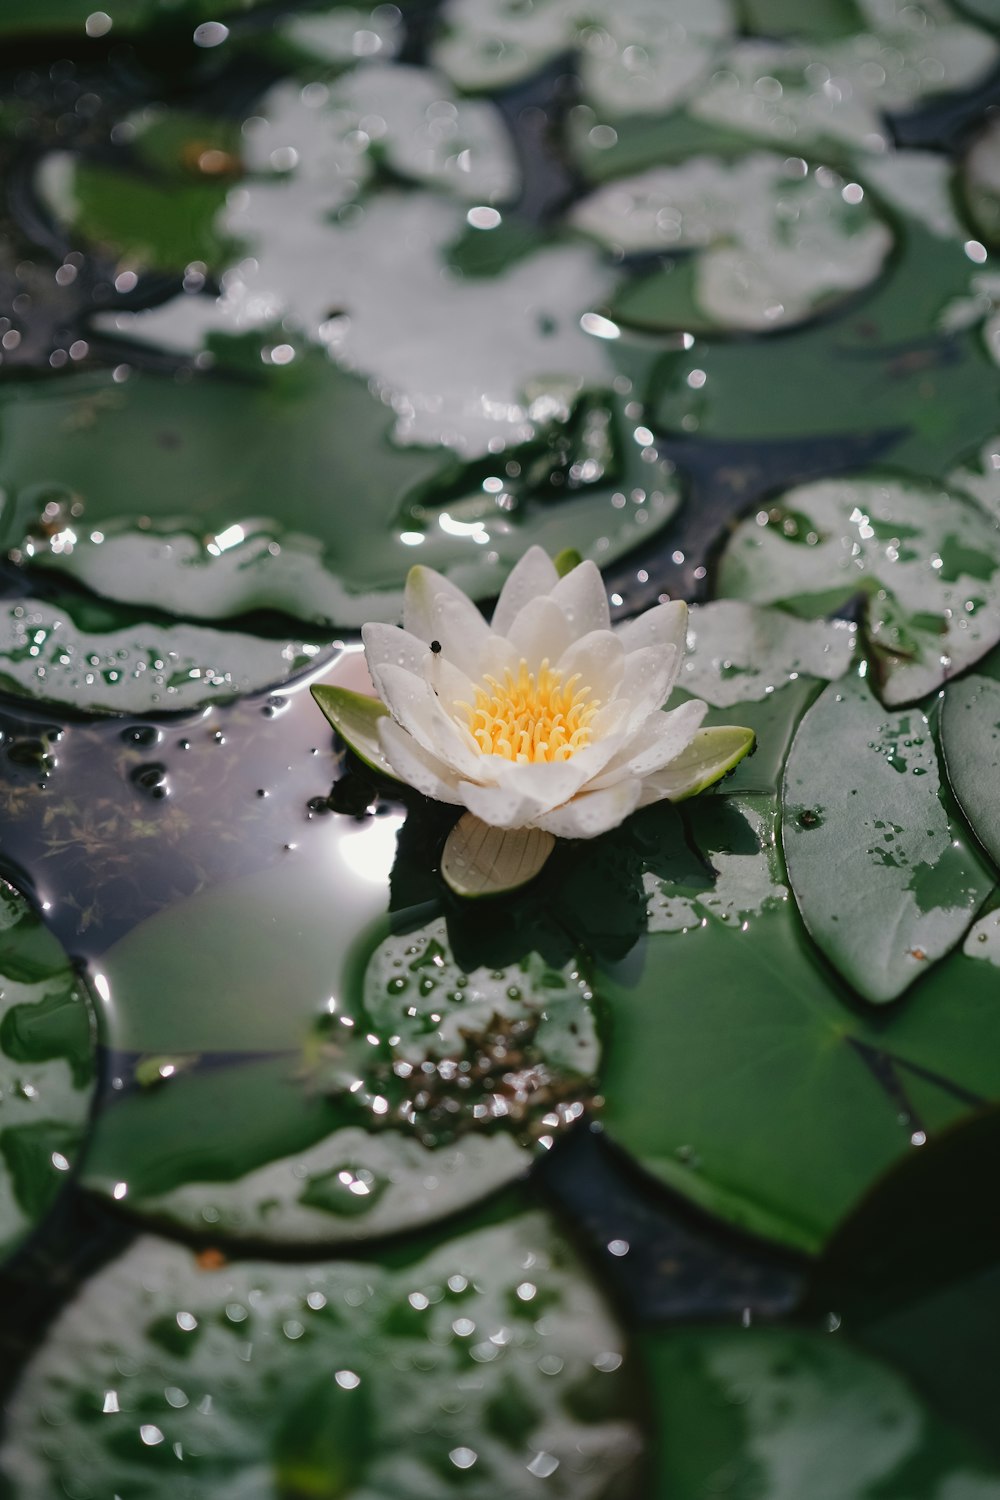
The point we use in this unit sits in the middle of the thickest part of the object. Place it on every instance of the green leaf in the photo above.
(281, 490)
(46, 1069)
(890, 374)
(739, 1072)
(479, 860)
(926, 563)
(786, 1412)
(740, 652)
(355, 717)
(862, 798)
(352, 1108)
(375, 1377)
(970, 740)
(771, 247)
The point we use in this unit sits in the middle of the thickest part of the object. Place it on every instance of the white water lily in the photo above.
(545, 723)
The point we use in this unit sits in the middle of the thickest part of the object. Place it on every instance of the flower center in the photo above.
(532, 716)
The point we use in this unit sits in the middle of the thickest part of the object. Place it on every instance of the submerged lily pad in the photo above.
(283, 491)
(434, 1372)
(773, 243)
(78, 654)
(862, 797)
(46, 1068)
(385, 1088)
(739, 1073)
(786, 1412)
(926, 563)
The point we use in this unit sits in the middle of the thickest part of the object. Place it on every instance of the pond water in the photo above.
(666, 1176)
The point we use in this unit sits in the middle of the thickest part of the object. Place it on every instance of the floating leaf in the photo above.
(124, 16)
(401, 1379)
(58, 655)
(739, 1073)
(282, 491)
(482, 861)
(926, 562)
(358, 1105)
(737, 652)
(46, 1068)
(862, 797)
(970, 739)
(773, 244)
(785, 1412)
(644, 57)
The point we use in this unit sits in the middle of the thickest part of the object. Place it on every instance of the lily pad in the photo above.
(926, 563)
(124, 16)
(79, 654)
(739, 652)
(774, 243)
(970, 739)
(787, 1412)
(46, 1068)
(739, 1072)
(381, 1092)
(403, 1379)
(283, 491)
(643, 56)
(862, 796)
(776, 91)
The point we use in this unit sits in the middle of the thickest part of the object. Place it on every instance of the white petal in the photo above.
(533, 576)
(647, 678)
(663, 625)
(413, 704)
(600, 660)
(451, 686)
(479, 860)
(709, 756)
(659, 740)
(412, 764)
(540, 632)
(593, 812)
(501, 806)
(385, 644)
(435, 610)
(581, 597)
(545, 784)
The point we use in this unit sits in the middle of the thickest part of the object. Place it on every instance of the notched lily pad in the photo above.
(407, 1379)
(925, 562)
(739, 1073)
(862, 798)
(773, 243)
(46, 1068)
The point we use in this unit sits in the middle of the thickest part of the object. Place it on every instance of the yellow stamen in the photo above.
(532, 716)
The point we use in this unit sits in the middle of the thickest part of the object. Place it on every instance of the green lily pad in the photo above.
(79, 654)
(775, 92)
(46, 1068)
(925, 561)
(125, 16)
(379, 1093)
(409, 1378)
(889, 374)
(981, 182)
(738, 652)
(970, 739)
(786, 1412)
(774, 244)
(283, 491)
(639, 56)
(862, 797)
(737, 1070)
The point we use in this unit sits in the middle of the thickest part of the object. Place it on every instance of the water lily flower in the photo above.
(545, 723)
